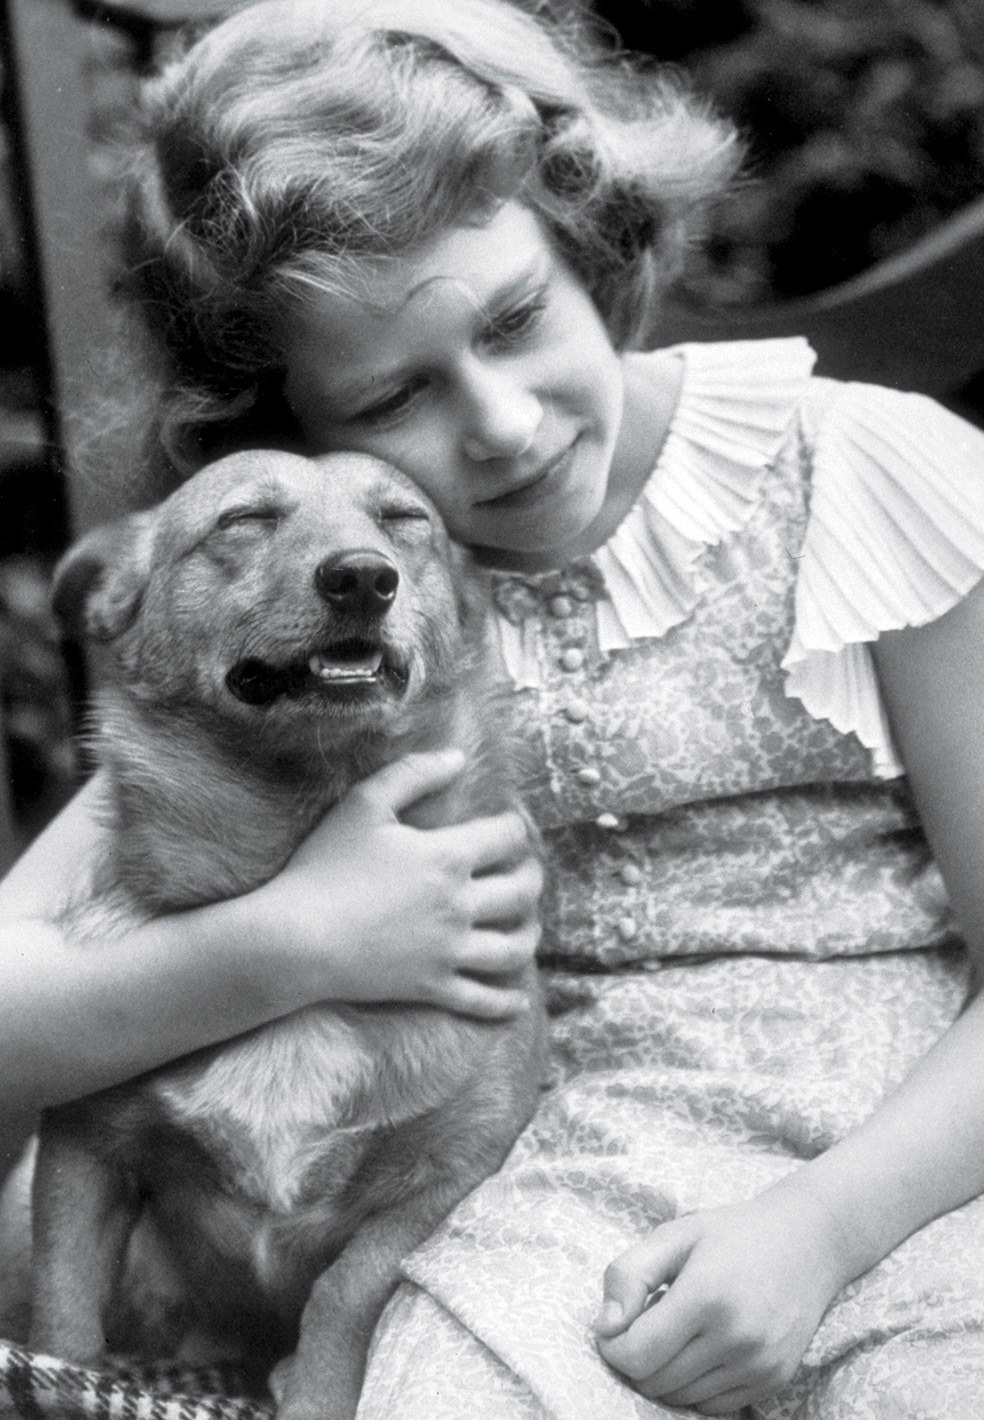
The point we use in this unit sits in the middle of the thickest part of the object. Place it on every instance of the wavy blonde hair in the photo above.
(299, 138)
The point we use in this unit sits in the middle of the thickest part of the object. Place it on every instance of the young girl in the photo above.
(739, 606)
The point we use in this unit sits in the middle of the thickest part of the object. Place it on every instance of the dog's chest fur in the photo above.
(287, 1111)
(290, 1109)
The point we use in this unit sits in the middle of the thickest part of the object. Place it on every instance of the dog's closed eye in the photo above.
(232, 517)
(397, 511)
(404, 517)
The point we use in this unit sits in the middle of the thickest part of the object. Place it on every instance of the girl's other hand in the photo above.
(373, 909)
(745, 1289)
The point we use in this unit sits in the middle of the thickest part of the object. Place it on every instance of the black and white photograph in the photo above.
(491, 709)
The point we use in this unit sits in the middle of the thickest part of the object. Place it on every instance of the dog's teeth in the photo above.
(361, 668)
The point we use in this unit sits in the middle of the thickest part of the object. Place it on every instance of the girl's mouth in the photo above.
(518, 499)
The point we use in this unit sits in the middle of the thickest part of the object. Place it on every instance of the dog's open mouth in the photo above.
(342, 670)
(347, 663)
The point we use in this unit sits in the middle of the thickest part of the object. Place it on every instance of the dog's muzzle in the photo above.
(359, 586)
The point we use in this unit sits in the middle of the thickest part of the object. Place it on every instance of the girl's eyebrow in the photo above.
(531, 274)
(533, 277)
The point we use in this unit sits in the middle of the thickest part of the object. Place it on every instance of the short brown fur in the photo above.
(288, 1172)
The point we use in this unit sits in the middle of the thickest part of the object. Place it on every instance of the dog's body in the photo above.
(282, 628)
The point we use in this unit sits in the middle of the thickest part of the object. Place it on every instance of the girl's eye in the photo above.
(511, 326)
(393, 405)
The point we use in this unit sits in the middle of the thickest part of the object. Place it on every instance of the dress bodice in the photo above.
(692, 803)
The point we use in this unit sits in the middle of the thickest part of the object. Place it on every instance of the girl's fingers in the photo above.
(727, 1402)
(490, 844)
(498, 954)
(395, 787)
(468, 997)
(509, 897)
(634, 1276)
(652, 1341)
(718, 1381)
(692, 1367)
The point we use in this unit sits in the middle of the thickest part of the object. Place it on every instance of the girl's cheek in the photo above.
(426, 453)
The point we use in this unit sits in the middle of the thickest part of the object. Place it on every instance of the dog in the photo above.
(279, 628)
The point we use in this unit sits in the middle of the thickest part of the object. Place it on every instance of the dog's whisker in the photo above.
(322, 751)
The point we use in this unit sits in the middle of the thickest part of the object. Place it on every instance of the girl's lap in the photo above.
(506, 1330)
(503, 1298)
(772, 1058)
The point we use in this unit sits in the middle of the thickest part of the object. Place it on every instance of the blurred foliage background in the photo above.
(864, 121)
(34, 700)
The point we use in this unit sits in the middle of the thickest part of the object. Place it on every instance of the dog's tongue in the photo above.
(346, 665)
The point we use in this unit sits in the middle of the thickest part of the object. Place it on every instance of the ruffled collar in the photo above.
(736, 402)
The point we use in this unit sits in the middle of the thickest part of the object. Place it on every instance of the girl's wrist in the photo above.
(254, 952)
(843, 1249)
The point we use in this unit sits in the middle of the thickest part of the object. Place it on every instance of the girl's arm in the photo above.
(751, 1282)
(367, 909)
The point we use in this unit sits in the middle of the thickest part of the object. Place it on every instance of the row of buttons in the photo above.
(572, 658)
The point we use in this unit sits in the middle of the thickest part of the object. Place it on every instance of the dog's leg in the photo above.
(322, 1380)
(446, 1154)
(83, 1217)
(410, 1181)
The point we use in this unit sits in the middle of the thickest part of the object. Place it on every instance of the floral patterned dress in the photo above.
(747, 940)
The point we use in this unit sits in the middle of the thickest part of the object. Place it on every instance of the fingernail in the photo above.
(609, 1316)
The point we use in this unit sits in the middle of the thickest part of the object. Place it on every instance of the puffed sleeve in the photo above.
(895, 538)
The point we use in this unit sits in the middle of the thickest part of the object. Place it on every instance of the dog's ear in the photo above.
(99, 583)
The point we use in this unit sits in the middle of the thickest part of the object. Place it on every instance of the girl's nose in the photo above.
(502, 418)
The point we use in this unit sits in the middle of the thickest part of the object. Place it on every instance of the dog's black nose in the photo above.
(360, 580)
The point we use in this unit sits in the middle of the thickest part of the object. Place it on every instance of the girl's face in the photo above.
(480, 367)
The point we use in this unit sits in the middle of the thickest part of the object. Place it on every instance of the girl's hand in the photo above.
(747, 1287)
(381, 911)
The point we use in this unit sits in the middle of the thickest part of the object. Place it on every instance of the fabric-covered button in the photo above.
(576, 711)
(581, 586)
(572, 659)
(589, 776)
(631, 874)
(560, 606)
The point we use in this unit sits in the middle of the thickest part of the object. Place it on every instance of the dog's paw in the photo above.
(279, 1379)
(327, 1406)
(330, 1395)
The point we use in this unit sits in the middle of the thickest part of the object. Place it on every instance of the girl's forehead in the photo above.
(476, 258)
(463, 269)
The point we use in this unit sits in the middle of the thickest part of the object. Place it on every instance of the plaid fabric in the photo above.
(34, 1387)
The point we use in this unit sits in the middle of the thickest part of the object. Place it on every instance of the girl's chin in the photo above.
(545, 538)
(533, 553)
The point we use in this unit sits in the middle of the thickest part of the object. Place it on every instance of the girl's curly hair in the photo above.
(300, 138)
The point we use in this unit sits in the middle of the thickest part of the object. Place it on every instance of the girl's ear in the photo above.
(100, 582)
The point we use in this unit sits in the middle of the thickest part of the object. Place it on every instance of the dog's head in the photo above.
(276, 587)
